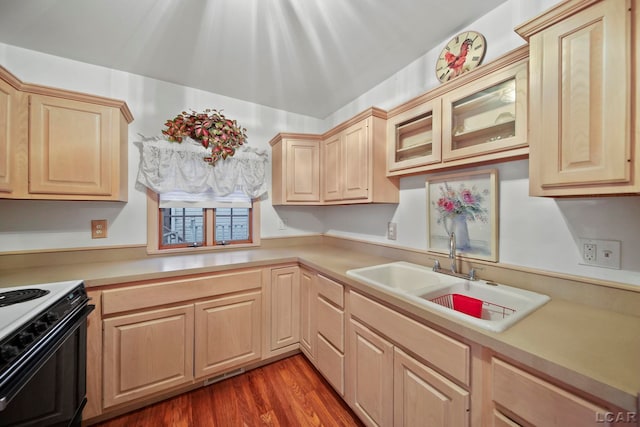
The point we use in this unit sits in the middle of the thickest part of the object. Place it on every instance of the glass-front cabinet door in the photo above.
(414, 137)
(486, 116)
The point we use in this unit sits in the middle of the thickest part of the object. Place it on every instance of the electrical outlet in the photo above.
(589, 252)
(600, 253)
(98, 228)
(392, 229)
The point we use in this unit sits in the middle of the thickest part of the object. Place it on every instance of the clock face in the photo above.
(463, 53)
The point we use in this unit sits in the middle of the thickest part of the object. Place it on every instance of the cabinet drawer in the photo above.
(333, 291)
(330, 323)
(449, 355)
(524, 395)
(500, 420)
(181, 289)
(331, 363)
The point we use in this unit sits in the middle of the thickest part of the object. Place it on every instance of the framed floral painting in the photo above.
(465, 204)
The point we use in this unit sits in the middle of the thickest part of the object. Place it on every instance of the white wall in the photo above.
(534, 232)
(33, 225)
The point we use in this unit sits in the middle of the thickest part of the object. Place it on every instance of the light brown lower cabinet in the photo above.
(330, 336)
(423, 397)
(284, 308)
(389, 387)
(307, 313)
(227, 333)
(404, 373)
(370, 383)
(522, 398)
(147, 352)
(392, 370)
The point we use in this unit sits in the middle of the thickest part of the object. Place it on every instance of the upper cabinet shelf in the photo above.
(61, 145)
(583, 99)
(480, 117)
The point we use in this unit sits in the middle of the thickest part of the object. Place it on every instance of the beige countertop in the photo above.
(589, 348)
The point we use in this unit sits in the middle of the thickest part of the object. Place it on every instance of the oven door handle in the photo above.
(50, 345)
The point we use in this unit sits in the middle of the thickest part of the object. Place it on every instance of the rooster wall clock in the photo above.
(463, 53)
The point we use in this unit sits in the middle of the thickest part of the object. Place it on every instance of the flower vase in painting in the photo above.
(457, 224)
(456, 207)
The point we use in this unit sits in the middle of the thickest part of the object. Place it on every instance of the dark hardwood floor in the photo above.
(286, 393)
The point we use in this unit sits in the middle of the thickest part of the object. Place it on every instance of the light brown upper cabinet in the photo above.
(296, 169)
(61, 145)
(479, 117)
(10, 122)
(345, 165)
(583, 99)
(353, 162)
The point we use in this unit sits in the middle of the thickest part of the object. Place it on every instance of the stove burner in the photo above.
(20, 295)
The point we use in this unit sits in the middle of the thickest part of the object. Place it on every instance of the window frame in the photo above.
(154, 226)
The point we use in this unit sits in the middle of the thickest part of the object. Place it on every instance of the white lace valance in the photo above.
(169, 166)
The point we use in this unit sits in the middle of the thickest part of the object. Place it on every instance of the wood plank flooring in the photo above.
(289, 392)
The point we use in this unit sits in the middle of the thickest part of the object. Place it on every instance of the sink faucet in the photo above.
(452, 252)
(453, 271)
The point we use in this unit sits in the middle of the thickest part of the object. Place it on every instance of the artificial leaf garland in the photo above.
(211, 128)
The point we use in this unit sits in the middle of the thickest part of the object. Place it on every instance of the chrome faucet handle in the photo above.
(472, 274)
(436, 264)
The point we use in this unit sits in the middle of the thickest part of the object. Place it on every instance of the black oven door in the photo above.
(51, 390)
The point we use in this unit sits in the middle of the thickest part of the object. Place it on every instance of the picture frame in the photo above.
(466, 204)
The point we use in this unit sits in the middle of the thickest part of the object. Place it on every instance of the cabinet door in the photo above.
(146, 353)
(370, 376)
(486, 116)
(73, 147)
(8, 98)
(227, 333)
(355, 164)
(303, 171)
(307, 312)
(285, 307)
(580, 101)
(422, 397)
(332, 169)
(414, 137)
(93, 408)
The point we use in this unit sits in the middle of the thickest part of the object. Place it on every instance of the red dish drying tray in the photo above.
(467, 305)
(473, 306)
(461, 303)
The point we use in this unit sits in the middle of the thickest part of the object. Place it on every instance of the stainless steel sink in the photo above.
(500, 306)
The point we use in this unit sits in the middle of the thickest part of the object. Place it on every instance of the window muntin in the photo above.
(232, 225)
(182, 227)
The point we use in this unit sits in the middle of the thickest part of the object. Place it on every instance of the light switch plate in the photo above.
(600, 253)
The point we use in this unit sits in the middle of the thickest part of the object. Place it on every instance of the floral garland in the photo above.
(211, 128)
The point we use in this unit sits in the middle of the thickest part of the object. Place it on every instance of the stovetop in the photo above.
(14, 315)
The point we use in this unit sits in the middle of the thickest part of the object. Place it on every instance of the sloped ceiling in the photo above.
(304, 56)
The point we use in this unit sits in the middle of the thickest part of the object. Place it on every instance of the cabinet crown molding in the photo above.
(551, 16)
(31, 88)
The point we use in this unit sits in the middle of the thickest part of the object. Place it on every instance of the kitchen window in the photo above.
(176, 225)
